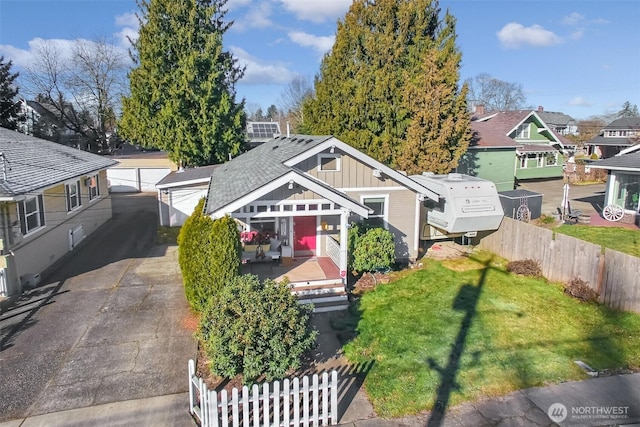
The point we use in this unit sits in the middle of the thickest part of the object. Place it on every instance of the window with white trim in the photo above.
(72, 193)
(378, 204)
(540, 160)
(523, 131)
(329, 162)
(523, 162)
(31, 214)
(94, 187)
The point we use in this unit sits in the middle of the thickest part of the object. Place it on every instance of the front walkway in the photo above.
(301, 270)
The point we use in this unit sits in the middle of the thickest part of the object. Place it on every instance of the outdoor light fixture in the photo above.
(377, 173)
(290, 185)
(333, 149)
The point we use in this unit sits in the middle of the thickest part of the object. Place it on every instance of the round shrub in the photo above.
(255, 329)
(374, 250)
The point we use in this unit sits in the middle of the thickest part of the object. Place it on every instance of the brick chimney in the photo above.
(479, 110)
(540, 109)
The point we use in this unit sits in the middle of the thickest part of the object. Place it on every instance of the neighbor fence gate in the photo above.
(297, 402)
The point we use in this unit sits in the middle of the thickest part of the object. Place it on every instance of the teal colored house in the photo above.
(510, 146)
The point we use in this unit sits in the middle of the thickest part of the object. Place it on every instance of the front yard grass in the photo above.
(463, 335)
(616, 238)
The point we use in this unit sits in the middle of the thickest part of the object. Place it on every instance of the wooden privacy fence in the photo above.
(300, 402)
(614, 275)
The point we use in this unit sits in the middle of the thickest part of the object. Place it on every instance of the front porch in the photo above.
(312, 279)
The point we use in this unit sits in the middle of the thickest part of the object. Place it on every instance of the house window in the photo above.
(72, 191)
(540, 160)
(523, 131)
(623, 133)
(31, 214)
(94, 188)
(523, 162)
(552, 159)
(378, 204)
(329, 162)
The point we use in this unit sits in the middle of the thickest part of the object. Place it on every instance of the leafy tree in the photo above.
(628, 110)
(360, 93)
(495, 94)
(272, 113)
(10, 116)
(439, 133)
(255, 329)
(183, 85)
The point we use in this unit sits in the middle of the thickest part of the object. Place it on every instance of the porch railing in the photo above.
(332, 249)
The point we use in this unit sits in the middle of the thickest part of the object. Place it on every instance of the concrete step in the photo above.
(334, 288)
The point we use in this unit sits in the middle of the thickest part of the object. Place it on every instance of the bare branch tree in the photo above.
(83, 90)
(495, 94)
(292, 98)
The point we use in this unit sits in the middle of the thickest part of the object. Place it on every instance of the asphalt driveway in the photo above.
(588, 199)
(110, 324)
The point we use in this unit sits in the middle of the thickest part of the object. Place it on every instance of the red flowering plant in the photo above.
(255, 237)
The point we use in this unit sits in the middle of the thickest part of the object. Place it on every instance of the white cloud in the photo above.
(259, 72)
(130, 27)
(320, 44)
(573, 19)
(579, 101)
(577, 35)
(256, 17)
(317, 10)
(237, 4)
(129, 20)
(515, 35)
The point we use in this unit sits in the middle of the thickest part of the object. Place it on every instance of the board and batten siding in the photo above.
(298, 193)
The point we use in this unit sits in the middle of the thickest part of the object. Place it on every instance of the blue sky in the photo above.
(578, 57)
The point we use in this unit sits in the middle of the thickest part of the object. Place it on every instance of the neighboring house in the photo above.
(138, 170)
(538, 149)
(306, 190)
(51, 197)
(561, 123)
(623, 181)
(260, 132)
(179, 193)
(616, 136)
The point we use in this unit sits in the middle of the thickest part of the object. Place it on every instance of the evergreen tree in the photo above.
(361, 90)
(183, 86)
(9, 105)
(628, 110)
(439, 131)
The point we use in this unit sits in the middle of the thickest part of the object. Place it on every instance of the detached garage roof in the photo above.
(188, 176)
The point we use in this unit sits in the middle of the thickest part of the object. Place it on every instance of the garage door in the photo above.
(182, 204)
(149, 177)
(123, 180)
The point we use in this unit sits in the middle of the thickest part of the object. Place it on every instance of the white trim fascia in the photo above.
(416, 233)
(184, 183)
(370, 161)
(484, 119)
(284, 180)
(615, 168)
(286, 214)
(628, 150)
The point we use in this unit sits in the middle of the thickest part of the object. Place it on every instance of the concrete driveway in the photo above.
(110, 324)
(588, 199)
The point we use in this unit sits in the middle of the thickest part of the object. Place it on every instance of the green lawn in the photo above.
(616, 238)
(479, 333)
(167, 235)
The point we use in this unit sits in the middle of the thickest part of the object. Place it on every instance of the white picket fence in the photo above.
(297, 402)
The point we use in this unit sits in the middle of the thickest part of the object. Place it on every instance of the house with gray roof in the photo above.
(616, 136)
(51, 197)
(305, 191)
(622, 193)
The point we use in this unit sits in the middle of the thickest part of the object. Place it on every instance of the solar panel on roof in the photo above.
(263, 130)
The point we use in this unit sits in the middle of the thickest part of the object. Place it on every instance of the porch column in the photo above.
(344, 224)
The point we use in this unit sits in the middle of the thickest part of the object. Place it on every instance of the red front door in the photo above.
(304, 231)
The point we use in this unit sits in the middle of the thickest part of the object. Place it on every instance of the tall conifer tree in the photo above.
(380, 53)
(183, 97)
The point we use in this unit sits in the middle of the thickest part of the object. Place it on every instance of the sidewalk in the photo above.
(605, 401)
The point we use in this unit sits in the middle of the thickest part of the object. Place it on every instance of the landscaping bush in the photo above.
(193, 242)
(255, 329)
(579, 289)
(209, 255)
(374, 250)
(527, 267)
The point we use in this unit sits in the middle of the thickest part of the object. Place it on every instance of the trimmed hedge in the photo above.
(373, 250)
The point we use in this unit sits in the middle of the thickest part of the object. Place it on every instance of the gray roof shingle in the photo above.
(175, 178)
(256, 168)
(624, 161)
(33, 163)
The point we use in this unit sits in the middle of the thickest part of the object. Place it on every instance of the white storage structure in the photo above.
(467, 205)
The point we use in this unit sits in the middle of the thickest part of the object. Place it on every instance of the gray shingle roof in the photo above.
(625, 161)
(256, 168)
(175, 178)
(608, 140)
(555, 118)
(624, 123)
(33, 163)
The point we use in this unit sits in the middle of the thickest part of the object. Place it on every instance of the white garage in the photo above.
(179, 193)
